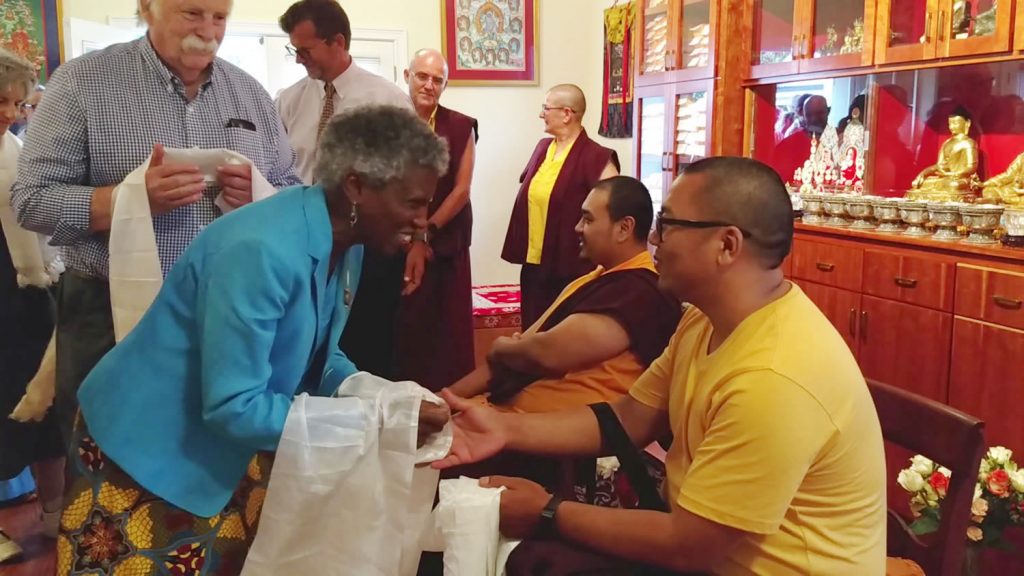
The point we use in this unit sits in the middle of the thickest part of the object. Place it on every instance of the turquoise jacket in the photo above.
(206, 379)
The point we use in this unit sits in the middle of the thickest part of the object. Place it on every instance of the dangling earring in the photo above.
(353, 217)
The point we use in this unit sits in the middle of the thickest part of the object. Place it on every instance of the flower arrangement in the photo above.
(998, 495)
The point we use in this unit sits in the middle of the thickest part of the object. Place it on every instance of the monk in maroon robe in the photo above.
(435, 317)
(561, 172)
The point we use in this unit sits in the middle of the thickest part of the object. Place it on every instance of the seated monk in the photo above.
(1008, 187)
(778, 464)
(603, 330)
(955, 176)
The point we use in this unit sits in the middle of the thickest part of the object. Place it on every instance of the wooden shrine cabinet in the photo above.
(941, 319)
(672, 123)
(915, 30)
(675, 40)
(800, 36)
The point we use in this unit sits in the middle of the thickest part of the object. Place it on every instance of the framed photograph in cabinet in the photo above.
(490, 42)
(31, 29)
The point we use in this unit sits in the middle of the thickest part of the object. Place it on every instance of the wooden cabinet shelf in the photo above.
(945, 320)
(802, 36)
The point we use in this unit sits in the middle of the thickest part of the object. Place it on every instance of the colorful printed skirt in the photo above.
(111, 526)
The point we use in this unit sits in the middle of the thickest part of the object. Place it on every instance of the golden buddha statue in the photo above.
(955, 176)
(1008, 187)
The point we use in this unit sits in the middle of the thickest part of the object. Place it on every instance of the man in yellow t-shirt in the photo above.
(777, 465)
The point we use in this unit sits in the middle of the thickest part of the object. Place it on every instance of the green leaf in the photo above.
(926, 524)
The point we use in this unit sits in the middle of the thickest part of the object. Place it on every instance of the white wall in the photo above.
(570, 50)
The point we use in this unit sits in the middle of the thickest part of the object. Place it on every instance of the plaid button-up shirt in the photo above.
(98, 121)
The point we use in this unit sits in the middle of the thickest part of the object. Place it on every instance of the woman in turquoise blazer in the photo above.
(250, 315)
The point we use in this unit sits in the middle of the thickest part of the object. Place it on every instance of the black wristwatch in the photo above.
(546, 528)
(431, 231)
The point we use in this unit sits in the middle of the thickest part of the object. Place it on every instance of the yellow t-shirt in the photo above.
(537, 198)
(775, 435)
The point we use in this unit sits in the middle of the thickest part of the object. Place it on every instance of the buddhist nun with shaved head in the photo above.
(561, 172)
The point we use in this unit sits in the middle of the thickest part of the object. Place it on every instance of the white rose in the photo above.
(1000, 455)
(607, 466)
(979, 508)
(977, 491)
(910, 480)
(922, 465)
(975, 534)
(1017, 480)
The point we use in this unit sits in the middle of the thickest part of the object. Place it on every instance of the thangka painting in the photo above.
(490, 42)
(31, 29)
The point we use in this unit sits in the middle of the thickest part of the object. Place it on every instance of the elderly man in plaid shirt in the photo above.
(103, 115)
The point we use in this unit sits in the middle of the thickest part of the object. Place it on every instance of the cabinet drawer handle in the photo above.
(1008, 303)
(927, 28)
(853, 322)
(905, 282)
(863, 325)
(825, 267)
(942, 20)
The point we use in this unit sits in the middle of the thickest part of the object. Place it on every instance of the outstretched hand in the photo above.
(477, 432)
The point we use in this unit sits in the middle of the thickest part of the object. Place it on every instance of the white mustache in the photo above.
(193, 43)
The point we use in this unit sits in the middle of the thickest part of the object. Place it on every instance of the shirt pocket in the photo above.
(250, 143)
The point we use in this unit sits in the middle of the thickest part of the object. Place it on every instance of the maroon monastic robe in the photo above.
(435, 323)
(560, 261)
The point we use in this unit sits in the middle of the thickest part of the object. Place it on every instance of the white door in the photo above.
(84, 36)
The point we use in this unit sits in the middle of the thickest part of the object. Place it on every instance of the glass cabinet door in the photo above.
(838, 30)
(653, 148)
(656, 20)
(695, 34)
(691, 129)
(906, 30)
(970, 27)
(774, 32)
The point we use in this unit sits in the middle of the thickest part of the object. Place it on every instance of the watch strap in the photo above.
(546, 528)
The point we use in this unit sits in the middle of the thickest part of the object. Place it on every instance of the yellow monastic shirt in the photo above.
(606, 382)
(538, 197)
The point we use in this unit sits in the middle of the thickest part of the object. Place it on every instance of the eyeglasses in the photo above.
(304, 53)
(424, 78)
(661, 222)
(544, 108)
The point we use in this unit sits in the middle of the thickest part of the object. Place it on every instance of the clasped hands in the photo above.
(172, 185)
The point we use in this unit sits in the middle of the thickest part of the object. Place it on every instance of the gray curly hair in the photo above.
(379, 144)
(16, 71)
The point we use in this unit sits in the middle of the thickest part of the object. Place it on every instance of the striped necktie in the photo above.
(328, 110)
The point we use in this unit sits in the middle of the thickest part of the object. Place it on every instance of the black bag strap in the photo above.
(614, 436)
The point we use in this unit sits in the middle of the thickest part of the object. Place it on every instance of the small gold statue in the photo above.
(955, 176)
(1008, 187)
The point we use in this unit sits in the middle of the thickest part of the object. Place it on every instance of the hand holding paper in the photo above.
(171, 185)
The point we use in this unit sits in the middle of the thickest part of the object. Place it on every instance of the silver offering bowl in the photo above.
(981, 221)
(861, 209)
(946, 217)
(814, 208)
(835, 206)
(887, 212)
(915, 214)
